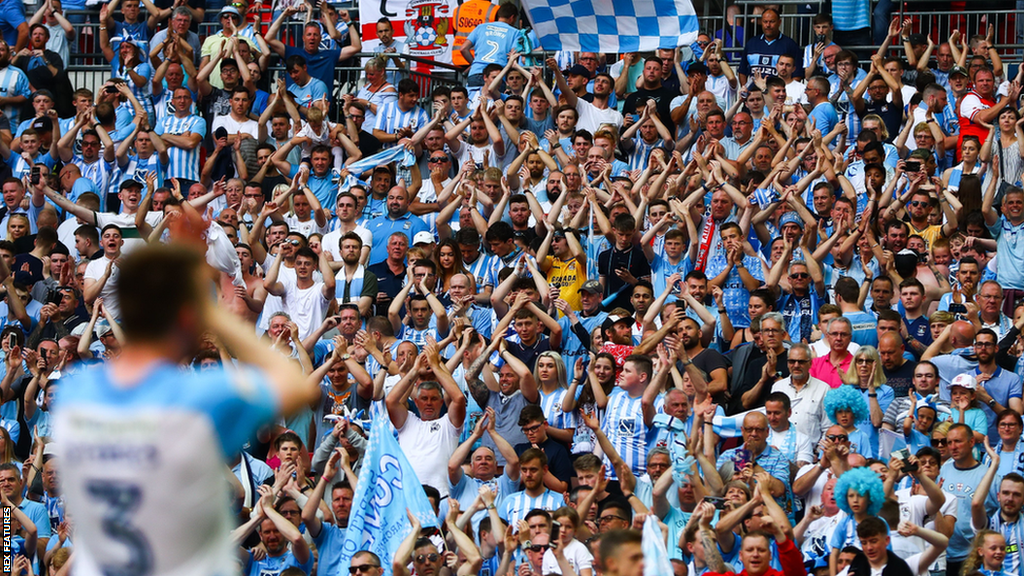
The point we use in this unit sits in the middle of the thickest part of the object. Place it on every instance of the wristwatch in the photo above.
(991, 402)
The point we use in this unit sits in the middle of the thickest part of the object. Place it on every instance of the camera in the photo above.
(913, 165)
(718, 502)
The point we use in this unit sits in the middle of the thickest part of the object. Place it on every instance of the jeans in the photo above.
(880, 20)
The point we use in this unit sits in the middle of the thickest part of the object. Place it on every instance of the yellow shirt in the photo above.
(930, 233)
(569, 276)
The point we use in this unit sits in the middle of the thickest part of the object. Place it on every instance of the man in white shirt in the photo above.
(783, 436)
(430, 438)
(304, 299)
(592, 114)
(237, 122)
(806, 394)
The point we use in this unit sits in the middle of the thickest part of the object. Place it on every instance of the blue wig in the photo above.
(865, 482)
(846, 397)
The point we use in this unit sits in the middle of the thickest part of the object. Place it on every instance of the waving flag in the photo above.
(656, 561)
(387, 487)
(612, 25)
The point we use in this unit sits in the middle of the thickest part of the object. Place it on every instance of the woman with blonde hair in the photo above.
(550, 374)
(867, 376)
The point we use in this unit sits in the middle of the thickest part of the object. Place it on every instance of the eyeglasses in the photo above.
(800, 276)
(752, 429)
(770, 331)
(537, 548)
(362, 568)
(839, 334)
(837, 437)
(939, 442)
(609, 518)
(1007, 424)
(984, 344)
(865, 361)
(796, 361)
(426, 558)
(588, 59)
(528, 429)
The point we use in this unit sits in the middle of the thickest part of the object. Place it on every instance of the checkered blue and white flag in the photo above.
(612, 25)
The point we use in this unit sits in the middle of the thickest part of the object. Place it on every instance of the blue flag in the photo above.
(656, 561)
(612, 25)
(387, 487)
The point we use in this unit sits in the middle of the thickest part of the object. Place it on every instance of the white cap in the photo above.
(423, 238)
(964, 381)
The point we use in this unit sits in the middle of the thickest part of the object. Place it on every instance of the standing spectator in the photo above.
(979, 107)
(490, 43)
(400, 118)
(389, 48)
(1009, 254)
(762, 53)
(321, 63)
(183, 133)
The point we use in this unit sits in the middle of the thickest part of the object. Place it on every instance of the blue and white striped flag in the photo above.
(405, 159)
(612, 25)
(387, 487)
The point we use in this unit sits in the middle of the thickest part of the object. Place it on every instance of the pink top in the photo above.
(822, 369)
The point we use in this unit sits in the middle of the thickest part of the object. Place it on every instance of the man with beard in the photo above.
(16, 89)
(397, 220)
(592, 115)
(1007, 519)
(652, 89)
(758, 367)
(356, 284)
(706, 367)
(284, 544)
(998, 389)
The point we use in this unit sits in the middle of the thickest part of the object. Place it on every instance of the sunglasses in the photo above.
(918, 203)
(426, 558)
(838, 437)
(865, 361)
(293, 242)
(438, 160)
(800, 276)
(938, 441)
(362, 568)
(537, 548)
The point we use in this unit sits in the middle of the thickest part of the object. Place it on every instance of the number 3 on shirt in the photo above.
(122, 500)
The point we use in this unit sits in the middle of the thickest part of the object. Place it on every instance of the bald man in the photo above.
(899, 370)
(961, 335)
(811, 479)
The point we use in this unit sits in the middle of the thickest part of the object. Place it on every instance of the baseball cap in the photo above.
(964, 381)
(229, 9)
(791, 218)
(129, 183)
(592, 286)
(102, 327)
(615, 319)
(43, 123)
(958, 70)
(917, 39)
(696, 68)
(579, 70)
(423, 238)
(41, 92)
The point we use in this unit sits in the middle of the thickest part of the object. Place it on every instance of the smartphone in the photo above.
(913, 165)
(110, 89)
(819, 38)
(556, 530)
(957, 309)
(922, 257)
(904, 455)
(742, 458)
(718, 502)
(36, 175)
(12, 341)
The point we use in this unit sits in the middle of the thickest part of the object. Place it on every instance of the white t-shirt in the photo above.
(332, 241)
(95, 270)
(913, 508)
(795, 93)
(249, 126)
(307, 307)
(428, 446)
(305, 228)
(575, 552)
(591, 117)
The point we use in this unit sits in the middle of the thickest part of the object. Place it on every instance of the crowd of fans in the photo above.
(715, 287)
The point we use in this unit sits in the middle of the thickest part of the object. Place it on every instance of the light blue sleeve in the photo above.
(381, 116)
(318, 89)
(238, 403)
(22, 88)
(159, 127)
(38, 515)
(199, 126)
(977, 420)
